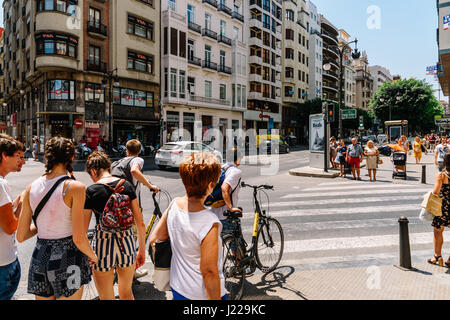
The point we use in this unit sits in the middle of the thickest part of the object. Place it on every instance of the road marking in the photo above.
(357, 242)
(395, 186)
(352, 201)
(352, 193)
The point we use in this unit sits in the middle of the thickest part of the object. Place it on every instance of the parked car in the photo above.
(382, 138)
(266, 146)
(171, 154)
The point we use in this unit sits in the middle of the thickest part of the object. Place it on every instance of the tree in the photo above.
(408, 99)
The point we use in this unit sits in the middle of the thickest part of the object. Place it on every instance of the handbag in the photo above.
(379, 160)
(425, 215)
(433, 204)
(162, 255)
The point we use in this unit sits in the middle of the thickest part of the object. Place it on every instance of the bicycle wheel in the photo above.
(233, 273)
(90, 290)
(269, 245)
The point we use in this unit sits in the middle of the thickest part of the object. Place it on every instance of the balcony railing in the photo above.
(209, 33)
(237, 15)
(97, 27)
(225, 9)
(209, 65)
(211, 2)
(195, 27)
(224, 69)
(96, 66)
(195, 61)
(209, 100)
(224, 39)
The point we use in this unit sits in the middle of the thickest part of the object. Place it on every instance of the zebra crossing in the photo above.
(350, 223)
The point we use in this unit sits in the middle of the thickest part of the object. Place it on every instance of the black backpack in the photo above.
(122, 169)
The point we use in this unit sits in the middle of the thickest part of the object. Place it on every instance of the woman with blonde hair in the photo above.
(372, 154)
(196, 269)
(417, 149)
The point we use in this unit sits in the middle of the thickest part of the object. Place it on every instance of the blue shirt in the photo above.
(355, 151)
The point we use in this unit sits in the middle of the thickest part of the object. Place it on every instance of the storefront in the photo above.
(147, 132)
(173, 125)
(60, 125)
(188, 126)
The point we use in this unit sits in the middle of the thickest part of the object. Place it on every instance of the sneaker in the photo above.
(140, 273)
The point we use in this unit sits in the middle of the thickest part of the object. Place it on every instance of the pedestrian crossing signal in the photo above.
(330, 113)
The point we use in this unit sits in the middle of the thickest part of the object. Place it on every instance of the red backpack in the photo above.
(117, 215)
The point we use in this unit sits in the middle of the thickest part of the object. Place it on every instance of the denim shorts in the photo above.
(9, 280)
(58, 268)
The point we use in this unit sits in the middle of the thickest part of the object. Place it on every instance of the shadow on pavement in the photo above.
(147, 291)
(272, 283)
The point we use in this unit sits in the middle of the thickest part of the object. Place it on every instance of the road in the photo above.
(327, 224)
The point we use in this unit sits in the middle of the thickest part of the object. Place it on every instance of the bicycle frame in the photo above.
(156, 214)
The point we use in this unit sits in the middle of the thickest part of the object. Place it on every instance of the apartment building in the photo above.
(443, 39)
(364, 82)
(295, 63)
(83, 68)
(315, 52)
(265, 65)
(380, 75)
(330, 78)
(204, 67)
(349, 72)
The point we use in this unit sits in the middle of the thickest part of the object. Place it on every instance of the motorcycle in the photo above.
(83, 151)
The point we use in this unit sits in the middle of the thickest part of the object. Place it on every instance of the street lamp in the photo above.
(109, 76)
(327, 67)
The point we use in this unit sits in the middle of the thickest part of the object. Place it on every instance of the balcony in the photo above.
(97, 28)
(209, 33)
(254, 77)
(238, 16)
(224, 69)
(211, 2)
(195, 27)
(195, 61)
(209, 100)
(225, 9)
(224, 39)
(96, 66)
(209, 65)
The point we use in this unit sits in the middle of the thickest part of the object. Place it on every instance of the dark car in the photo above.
(385, 150)
(266, 146)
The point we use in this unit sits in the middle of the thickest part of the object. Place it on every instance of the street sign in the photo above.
(442, 121)
(348, 114)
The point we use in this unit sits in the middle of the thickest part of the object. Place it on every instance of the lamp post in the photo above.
(109, 76)
(327, 67)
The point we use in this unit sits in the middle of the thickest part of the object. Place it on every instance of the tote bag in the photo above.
(433, 204)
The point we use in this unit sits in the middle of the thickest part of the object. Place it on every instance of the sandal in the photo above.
(437, 261)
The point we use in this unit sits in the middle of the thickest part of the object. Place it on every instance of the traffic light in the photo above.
(361, 121)
(330, 113)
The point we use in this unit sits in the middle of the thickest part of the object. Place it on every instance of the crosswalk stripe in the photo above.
(356, 242)
(396, 186)
(352, 201)
(352, 193)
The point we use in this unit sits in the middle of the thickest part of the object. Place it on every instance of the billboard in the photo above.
(316, 133)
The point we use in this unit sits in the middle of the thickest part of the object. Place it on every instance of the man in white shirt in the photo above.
(11, 153)
(439, 153)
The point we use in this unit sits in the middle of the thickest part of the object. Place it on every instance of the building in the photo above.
(265, 37)
(364, 82)
(295, 63)
(204, 67)
(315, 52)
(380, 75)
(443, 39)
(349, 72)
(330, 89)
(3, 126)
(83, 68)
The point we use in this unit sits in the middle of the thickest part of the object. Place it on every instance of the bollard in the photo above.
(405, 251)
(424, 174)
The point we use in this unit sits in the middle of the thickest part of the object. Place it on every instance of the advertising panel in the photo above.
(316, 133)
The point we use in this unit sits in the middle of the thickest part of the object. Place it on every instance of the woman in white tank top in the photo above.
(60, 265)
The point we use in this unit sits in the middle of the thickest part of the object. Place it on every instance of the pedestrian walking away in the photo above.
(441, 188)
(52, 209)
(372, 154)
(131, 168)
(10, 270)
(355, 157)
(440, 151)
(114, 238)
(417, 149)
(196, 270)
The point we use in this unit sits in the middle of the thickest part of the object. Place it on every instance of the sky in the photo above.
(397, 34)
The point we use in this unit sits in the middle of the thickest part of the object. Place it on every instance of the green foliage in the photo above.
(416, 103)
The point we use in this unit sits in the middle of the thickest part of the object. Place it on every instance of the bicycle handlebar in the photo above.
(264, 186)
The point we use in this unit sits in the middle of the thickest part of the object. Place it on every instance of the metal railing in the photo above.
(195, 27)
(97, 27)
(209, 33)
(209, 65)
(224, 39)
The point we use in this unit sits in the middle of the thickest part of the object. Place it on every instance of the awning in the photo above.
(131, 122)
(60, 112)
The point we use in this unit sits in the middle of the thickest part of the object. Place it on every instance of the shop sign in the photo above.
(447, 22)
(59, 122)
(78, 123)
(92, 125)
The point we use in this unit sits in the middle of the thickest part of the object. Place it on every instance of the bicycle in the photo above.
(240, 261)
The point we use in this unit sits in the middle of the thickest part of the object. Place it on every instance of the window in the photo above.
(207, 21)
(59, 44)
(182, 84)
(55, 5)
(208, 89)
(173, 41)
(133, 98)
(223, 28)
(94, 55)
(289, 15)
(140, 62)
(61, 90)
(94, 93)
(207, 53)
(173, 83)
(289, 34)
(223, 92)
(140, 27)
(182, 44)
(238, 94)
(190, 13)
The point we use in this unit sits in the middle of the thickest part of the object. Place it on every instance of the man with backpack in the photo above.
(225, 195)
(130, 168)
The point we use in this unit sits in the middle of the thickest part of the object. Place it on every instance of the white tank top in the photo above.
(55, 219)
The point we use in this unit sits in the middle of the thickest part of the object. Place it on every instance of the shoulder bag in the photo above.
(433, 203)
(162, 254)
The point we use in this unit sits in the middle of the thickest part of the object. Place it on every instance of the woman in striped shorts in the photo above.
(115, 250)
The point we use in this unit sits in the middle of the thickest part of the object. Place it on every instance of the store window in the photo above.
(133, 98)
(140, 62)
(55, 5)
(61, 90)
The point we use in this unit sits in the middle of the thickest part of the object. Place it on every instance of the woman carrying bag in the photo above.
(442, 188)
(194, 232)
